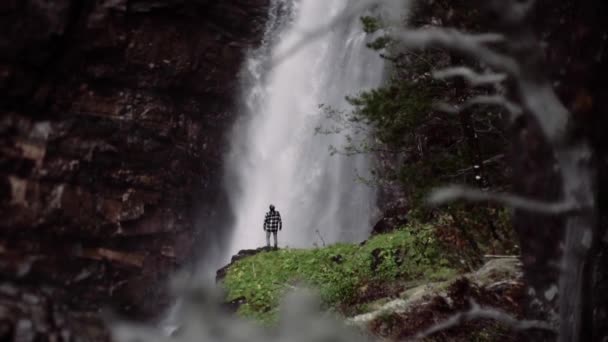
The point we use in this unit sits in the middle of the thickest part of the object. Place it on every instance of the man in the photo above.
(272, 223)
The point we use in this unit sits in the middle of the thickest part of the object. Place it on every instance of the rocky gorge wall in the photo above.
(112, 122)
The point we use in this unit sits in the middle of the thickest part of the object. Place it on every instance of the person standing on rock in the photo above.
(272, 224)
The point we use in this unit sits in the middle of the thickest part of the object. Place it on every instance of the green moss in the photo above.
(490, 333)
(370, 24)
(441, 274)
(337, 271)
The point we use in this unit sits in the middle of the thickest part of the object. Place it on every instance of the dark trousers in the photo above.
(268, 238)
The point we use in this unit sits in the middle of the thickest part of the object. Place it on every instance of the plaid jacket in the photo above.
(272, 221)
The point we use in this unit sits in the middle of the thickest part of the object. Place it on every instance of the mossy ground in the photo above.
(344, 274)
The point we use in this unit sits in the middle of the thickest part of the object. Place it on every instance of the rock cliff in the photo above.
(112, 121)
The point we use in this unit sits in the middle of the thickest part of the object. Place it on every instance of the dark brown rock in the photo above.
(394, 217)
(234, 305)
(112, 123)
(31, 314)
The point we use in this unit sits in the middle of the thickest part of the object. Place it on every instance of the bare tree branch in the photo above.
(488, 100)
(455, 192)
(473, 45)
(477, 313)
(472, 77)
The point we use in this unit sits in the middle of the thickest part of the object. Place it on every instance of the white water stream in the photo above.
(276, 156)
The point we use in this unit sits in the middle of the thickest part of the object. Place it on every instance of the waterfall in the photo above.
(275, 155)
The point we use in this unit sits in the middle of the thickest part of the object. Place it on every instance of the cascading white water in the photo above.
(276, 156)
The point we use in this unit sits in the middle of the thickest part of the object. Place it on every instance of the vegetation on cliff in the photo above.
(423, 133)
(346, 275)
(394, 286)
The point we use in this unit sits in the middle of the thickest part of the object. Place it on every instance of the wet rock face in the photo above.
(31, 314)
(112, 122)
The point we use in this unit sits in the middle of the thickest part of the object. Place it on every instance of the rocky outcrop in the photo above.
(112, 121)
(496, 286)
(392, 220)
(242, 254)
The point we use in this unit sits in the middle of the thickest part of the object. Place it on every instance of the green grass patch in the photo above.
(338, 271)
